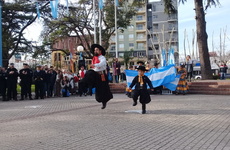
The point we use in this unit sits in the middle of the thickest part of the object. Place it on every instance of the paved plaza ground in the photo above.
(190, 122)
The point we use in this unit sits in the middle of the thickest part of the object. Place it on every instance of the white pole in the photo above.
(116, 33)
(94, 21)
(100, 26)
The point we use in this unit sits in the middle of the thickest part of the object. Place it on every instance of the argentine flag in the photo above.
(171, 59)
(163, 76)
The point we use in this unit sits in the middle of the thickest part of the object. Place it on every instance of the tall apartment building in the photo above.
(162, 29)
(133, 38)
(150, 27)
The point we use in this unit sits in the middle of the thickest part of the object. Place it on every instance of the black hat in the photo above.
(99, 47)
(12, 64)
(141, 68)
(25, 64)
(156, 64)
(140, 62)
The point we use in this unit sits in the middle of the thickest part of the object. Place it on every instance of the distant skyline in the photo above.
(216, 18)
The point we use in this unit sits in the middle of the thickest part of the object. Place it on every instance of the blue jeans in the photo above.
(222, 75)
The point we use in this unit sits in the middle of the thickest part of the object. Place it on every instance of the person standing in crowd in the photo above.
(81, 74)
(182, 86)
(116, 69)
(140, 82)
(223, 70)
(12, 78)
(58, 83)
(47, 82)
(103, 93)
(189, 68)
(39, 82)
(157, 90)
(3, 83)
(26, 76)
(52, 81)
(109, 76)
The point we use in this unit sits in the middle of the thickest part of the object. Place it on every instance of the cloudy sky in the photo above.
(217, 19)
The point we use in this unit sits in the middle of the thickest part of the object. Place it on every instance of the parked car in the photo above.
(227, 76)
(197, 77)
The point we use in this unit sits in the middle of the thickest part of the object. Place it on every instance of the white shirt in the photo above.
(102, 65)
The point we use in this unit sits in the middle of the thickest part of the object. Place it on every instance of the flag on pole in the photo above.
(163, 57)
(171, 59)
(54, 8)
(38, 11)
(116, 3)
(67, 6)
(101, 4)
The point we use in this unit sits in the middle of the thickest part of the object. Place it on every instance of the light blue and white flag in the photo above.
(38, 10)
(163, 58)
(171, 59)
(54, 8)
(67, 6)
(173, 85)
(161, 76)
(101, 4)
(116, 2)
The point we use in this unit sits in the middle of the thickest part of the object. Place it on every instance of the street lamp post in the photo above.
(81, 61)
(1, 2)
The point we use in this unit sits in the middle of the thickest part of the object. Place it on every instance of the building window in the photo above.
(131, 36)
(57, 56)
(140, 36)
(121, 37)
(139, 17)
(113, 47)
(155, 26)
(155, 36)
(155, 16)
(140, 27)
(140, 46)
(131, 44)
(154, 8)
(112, 38)
(121, 46)
(130, 27)
(121, 54)
(141, 54)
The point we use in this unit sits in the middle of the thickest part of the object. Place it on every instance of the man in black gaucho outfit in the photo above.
(103, 93)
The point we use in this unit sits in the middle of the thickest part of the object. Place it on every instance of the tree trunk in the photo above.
(202, 39)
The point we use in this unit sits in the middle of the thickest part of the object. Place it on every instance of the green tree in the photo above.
(127, 57)
(202, 37)
(16, 17)
(79, 22)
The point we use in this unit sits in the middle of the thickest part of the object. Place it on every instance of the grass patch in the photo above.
(19, 88)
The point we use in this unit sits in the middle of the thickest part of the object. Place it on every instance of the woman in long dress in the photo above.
(182, 87)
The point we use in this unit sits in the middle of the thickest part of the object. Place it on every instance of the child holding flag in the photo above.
(140, 82)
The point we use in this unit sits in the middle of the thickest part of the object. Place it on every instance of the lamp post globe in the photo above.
(80, 48)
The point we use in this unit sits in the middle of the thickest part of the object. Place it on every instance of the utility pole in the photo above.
(1, 2)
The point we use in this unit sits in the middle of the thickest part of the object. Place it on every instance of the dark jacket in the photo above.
(26, 76)
(12, 77)
(39, 76)
(145, 80)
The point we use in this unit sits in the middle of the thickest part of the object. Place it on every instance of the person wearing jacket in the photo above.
(12, 79)
(140, 82)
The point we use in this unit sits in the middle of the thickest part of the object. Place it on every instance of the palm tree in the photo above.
(202, 37)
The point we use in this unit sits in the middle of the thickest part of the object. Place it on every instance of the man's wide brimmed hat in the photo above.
(140, 62)
(99, 47)
(141, 68)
